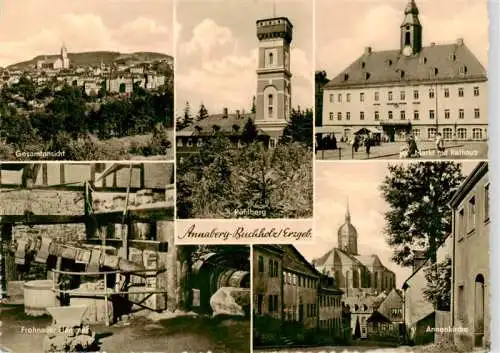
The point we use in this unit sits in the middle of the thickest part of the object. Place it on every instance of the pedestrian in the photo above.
(439, 143)
(368, 145)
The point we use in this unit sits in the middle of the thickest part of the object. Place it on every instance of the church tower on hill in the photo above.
(273, 103)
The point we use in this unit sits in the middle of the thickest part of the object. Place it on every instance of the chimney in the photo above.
(433, 44)
(460, 41)
(368, 50)
(224, 113)
(237, 114)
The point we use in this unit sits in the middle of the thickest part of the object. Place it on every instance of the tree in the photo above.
(299, 128)
(188, 119)
(254, 108)
(438, 290)
(202, 113)
(249, 133)
(419, 217)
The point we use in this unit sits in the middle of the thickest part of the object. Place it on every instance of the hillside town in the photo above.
(102, 94)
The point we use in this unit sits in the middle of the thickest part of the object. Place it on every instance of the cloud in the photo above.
(206, 36)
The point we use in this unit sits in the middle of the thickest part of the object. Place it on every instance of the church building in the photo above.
(364, 279)
(273, 96)
(55, 62)
(414, 88)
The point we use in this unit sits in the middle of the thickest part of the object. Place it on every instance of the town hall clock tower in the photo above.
(273, 100)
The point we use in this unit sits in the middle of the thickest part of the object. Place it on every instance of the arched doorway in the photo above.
(479, 311)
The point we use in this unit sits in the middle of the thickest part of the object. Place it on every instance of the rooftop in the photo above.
(435, 63)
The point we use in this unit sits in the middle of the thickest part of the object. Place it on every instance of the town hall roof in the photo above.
(434, 63)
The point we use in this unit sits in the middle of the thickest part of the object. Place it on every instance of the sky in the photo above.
(340, 40)
(35, 27)
(357, 183)
(216, 52)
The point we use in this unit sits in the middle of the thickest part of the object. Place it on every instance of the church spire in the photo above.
(347, 213)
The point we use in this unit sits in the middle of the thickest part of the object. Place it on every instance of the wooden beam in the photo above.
(81, 188)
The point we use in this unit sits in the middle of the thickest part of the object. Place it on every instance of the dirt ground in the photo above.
(176, 335)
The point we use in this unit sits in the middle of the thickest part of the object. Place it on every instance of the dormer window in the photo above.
(367, 76)
(346, 77)
(436, 71)
(389, 62)
(463, 70)
(402, 74)
(363, 64)
(453, 57)
(423, 60)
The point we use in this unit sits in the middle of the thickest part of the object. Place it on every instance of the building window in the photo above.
(462, 133)
(361, 97)
(260, 302)
(415, 94)
(348, 97)
(273, 303)
(389, 95)
(331, 116)
(270, 104)
(273, 268)
(431, 132)
(376, 96)
(431, 92)
(294, 280)
(447, 92)
(446, 113)
(261, 264)
(477, 133)
(389, 115)
(461, 223)
(339, 116)
(416, 132)
(339, 97)
(376, 116)
(402, 95)
(348, 116)
(461, 114)
(476, 91)
(487, 202)
(331, 98)
(402, 115)
(271, 59)
(272, 142)
(416, 115)
(471, 214)
(431, 114)
(447, 133)
(460, 92)
(476, 113)
(361, 115)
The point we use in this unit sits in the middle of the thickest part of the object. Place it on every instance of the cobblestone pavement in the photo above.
(453, 150)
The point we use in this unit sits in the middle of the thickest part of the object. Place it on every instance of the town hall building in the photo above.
(364, 279)
(273, 96)
(414, 89)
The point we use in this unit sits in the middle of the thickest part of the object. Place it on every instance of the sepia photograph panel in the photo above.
(244, 109)
(402, 80)
(87, 80)
(394, 266)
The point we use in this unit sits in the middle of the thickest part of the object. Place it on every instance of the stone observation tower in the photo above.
(274, 89)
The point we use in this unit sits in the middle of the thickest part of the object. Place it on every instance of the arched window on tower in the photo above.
(270, 105)
(407, 38)
(271, 59)
(347, 280)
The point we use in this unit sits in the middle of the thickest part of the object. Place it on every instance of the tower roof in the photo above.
(276, 27)
(411, 8)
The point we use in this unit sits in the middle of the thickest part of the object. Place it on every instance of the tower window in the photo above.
(367, 76)
(346, 77)
(407, 37)
(363, 64)
(270, 105)
(271, 59)
(402, 74)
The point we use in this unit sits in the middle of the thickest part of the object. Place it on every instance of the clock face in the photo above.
(407, 51)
